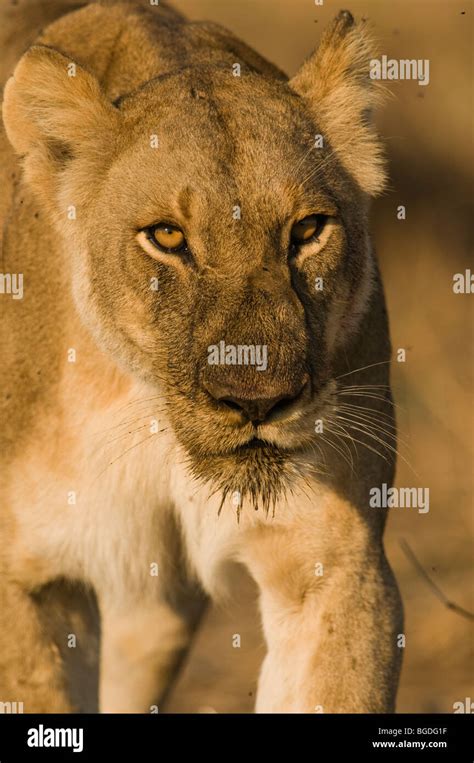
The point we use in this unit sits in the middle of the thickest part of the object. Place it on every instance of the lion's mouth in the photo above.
(258, 450)
(256, 471)
(252, 447)
(255, 444)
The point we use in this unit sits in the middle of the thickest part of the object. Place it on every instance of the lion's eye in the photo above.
(308, 228)
(167, 238)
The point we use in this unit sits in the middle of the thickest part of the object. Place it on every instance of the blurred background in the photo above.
(428, 134)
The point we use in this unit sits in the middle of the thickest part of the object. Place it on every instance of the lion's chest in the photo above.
(86, 502)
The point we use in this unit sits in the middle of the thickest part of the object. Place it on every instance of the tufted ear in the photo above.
(54, 105)
(335, 82)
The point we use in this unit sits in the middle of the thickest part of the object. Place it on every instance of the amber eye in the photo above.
(307, 228)
(167, 238)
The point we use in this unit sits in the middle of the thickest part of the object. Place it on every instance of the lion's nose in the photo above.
(255, 409)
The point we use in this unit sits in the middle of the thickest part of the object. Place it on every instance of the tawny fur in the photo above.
(114, 458)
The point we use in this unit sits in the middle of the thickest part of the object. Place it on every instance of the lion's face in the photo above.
(220, 253)
(224, 255)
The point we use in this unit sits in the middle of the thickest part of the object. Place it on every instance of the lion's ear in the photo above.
(335, 82)
(52, 103)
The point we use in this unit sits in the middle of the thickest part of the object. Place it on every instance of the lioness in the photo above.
(195, 357)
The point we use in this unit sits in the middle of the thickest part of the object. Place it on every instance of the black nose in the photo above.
(255, 409)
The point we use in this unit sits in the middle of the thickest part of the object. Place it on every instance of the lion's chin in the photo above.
(255, 473)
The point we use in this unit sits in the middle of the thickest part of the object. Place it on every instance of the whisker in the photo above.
(326, 440)
(133, 431)
(364, 430)
(374, 428)
(376, 411)
(345, 433)
(129, 422)
(368, 387)
(364, 418)
(132, 447)
(338, 431)
(374, 397)
(363, 368)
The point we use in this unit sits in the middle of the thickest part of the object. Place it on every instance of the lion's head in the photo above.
(215, 220)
